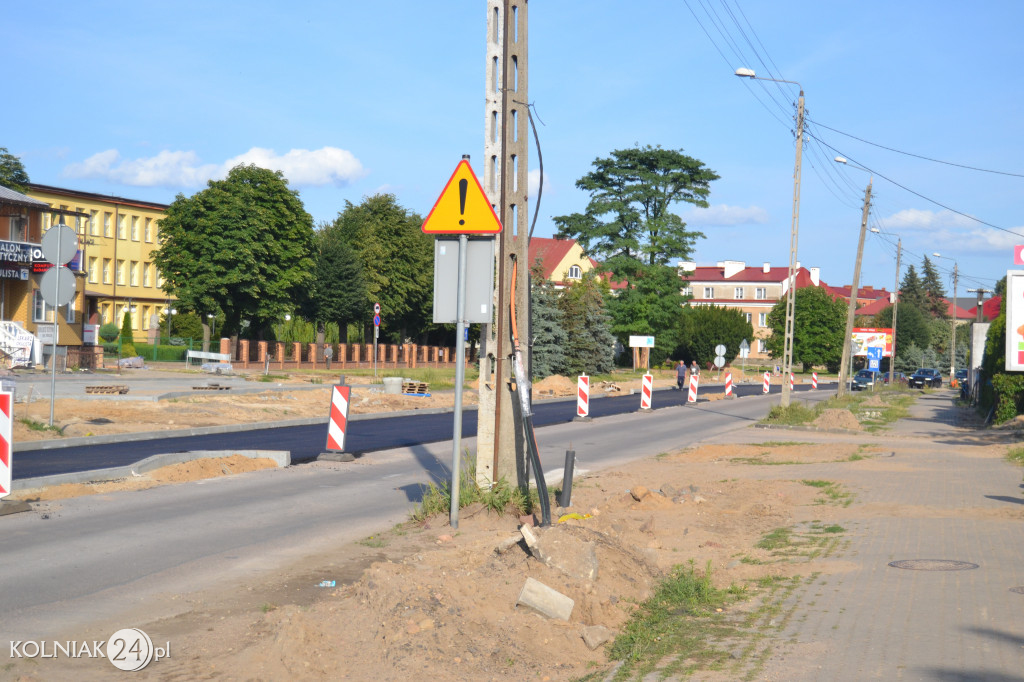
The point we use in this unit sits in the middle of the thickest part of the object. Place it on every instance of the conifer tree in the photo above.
(934, 294)
(590, 346)
(547, 328)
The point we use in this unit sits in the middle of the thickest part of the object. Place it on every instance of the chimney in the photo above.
(767, 268)
(733, 267)
(815, 276)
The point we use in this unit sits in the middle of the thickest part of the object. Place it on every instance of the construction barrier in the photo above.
(728, 384)
(691, 397)
(6, 399)
(582, 396)
(767, 382)
(814, 380)
(646, 388)
(339, 418)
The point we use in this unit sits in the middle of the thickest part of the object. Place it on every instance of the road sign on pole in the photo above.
(462, 208)
(376, 308)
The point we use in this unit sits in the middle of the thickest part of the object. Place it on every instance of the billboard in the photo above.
(871, 337)
(1015, 321)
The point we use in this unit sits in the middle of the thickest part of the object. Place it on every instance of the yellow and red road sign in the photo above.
(463, 207)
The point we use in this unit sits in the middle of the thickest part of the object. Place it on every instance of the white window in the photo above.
(134, 273)
(762, 319)
(761, 293)
(574, 272)
(94, 270)
(94, 225)
(146, 279)
(709, 292)
(41, 311)
(748, 316)
(106, 271)
(737, 293)
(70, 314)
(135, 228)
(120, 272)
(121, 229)
(149, 230)
(106, 223)
(761, 347)
(687, 291)
(19, 229)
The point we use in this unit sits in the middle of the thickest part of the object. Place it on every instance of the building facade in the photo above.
(117, 237)
(751, 290)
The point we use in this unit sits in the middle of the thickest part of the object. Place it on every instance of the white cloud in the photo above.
(302, 167)
(953, 233)
(533, 183)
(917, 219)
(725, 215)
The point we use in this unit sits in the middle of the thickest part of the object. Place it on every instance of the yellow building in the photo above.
(117, 237)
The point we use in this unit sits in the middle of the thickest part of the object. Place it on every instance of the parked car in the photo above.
(863, 379)
(961, 377)
(899, 378)
(925, 378)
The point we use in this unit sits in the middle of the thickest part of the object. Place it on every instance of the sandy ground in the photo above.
(425, 601)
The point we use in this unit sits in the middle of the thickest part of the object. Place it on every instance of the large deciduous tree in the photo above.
(12, 172)
(397, 261)
(706, 326)
(242, 247)
(912, 326)
(819, 323)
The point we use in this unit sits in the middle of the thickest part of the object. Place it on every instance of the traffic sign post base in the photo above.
(335, 457)
(582, 419)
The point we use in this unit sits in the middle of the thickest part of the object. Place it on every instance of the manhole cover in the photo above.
(933, 565)
(1018, 590)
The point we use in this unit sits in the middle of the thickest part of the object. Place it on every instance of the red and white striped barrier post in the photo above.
(646, 388)
(582, 398)
(767, 382)
(691, 397)
(814, 380)
(728, 384)
(337, 427)
(792, 382)
(6, 446)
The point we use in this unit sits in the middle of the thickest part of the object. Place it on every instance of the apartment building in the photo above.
(117, 237)
(752, 290)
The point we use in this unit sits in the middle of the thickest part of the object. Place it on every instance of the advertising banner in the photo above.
(1015, 321)
(870, 337)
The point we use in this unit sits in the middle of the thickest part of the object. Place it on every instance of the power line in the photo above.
(920, 156)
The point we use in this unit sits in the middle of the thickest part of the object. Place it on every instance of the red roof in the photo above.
(875, 307)
(708, 273)
(863, 293)
(961, 313)
(989, 308)
(550, 252)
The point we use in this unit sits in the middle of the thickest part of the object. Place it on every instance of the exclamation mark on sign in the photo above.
(463, 186)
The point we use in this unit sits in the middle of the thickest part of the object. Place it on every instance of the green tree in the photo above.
(397, 261)
(590, 345)
(911, 290)
(338, 292)
(706, 326)
(628, 221)
(651, 306)
(912, 326)
(241, 246)
(934, 294)
(547, 327)
(127, 338)
(12, 172)
(819, 323)
(184, 325)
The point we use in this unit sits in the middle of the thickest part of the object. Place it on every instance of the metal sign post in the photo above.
(57, 286)
(376, 335)
(460, 376)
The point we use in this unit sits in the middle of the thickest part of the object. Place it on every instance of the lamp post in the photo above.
(213, 325)
(787, 353)
(952, 336)
(895, 308)
(851, 308)
(170, 316)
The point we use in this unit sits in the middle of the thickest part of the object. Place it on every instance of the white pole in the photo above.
(460, 374)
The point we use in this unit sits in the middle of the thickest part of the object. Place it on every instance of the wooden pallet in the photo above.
(106, 389)
(415, 387)
(211, 387)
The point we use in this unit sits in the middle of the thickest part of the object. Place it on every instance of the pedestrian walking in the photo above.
(694, 369)
(328, 354)
(680, 375)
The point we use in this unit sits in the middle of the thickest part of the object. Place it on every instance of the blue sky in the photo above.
(151, 99)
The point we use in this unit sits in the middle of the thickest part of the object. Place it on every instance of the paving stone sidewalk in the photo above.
(949, 496)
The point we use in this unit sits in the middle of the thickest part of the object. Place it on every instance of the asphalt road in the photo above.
(101, 561)
(307, 441)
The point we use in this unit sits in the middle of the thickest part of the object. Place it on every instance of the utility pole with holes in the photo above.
(895, 309)
(500, 436)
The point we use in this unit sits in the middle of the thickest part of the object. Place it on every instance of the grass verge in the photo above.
(501, 498)
(1016, 455)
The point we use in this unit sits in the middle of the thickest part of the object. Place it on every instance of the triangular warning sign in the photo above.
(462, 208)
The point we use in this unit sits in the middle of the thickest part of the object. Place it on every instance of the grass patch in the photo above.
(34, 425)
(268, 607)
(272, 377)
(793, 415)
(372, 541)
(501, 498)
(781, 443)
(680, 620)
(780, 537)
(1016, 455)
(803, 542)
(832, 493)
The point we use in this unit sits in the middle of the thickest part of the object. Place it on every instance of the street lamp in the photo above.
(952, 337)
(895, 307)
(787, 354)
(213, 325)
(845, 363)
(172, 312)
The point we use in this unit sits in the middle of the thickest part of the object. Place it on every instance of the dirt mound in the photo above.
(556, 384)
(837, 419)
(874, 400)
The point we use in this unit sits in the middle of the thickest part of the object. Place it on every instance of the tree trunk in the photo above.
(206, 337)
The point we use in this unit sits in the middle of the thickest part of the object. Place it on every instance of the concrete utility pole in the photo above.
(952, 327)
(981, 294)
(895, 309)
(499, 434)
(851, 308)
(787, 355)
